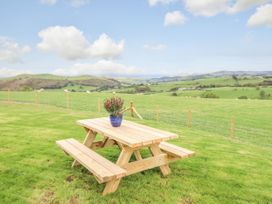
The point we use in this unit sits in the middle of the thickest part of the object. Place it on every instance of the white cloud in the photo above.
(49, 2)
(11, 51)
(155, 47)
(5, 72)
(100, 68)
(70, 43)
(213, 7)
(262, 16)
(206, 7)
(174, 18)
(155, 2)
(105, 47)
(241, 5)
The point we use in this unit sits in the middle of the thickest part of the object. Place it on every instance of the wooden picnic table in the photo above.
(131, 138)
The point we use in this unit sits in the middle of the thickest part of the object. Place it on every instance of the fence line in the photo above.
(9, 96)
(185, 119)
(99, 105)
(131, 108)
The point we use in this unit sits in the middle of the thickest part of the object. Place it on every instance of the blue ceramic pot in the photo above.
(116, 121)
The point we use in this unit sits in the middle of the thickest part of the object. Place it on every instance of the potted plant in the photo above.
(114, 106)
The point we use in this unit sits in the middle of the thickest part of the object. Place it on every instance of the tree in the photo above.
(235, 78)
(142, 89)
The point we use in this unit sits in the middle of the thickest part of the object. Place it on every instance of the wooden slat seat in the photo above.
(103, 169)
(175, 151)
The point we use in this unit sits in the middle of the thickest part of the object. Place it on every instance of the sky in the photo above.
(132, 38)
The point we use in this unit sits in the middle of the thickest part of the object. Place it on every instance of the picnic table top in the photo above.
(129, 133)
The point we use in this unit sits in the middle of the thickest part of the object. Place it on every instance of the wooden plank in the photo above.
(155, 150)
(110, 133)
(90, 137)
(106, 124)
(138, 155)
(111, 186)
(101, 144)
(139, 116)
(113, 168)
(131, 108)
(123, 159)
(176, 150)
(99, 171)
(145, 164)
(109, 143)
(136, 133)
(143, 128)
(133, 131)
(160, 133)
(126, 134)
(97, 145)
(120, 145)
(139, 137)
(166, 144)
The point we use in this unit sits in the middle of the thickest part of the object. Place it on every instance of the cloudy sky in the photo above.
(134, 37)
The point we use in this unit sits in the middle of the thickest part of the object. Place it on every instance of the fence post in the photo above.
(8, 93)
(131, 108)
(232, 128)
(189, 119)
(99, 105)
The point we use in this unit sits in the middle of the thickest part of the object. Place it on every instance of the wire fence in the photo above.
(224, 121)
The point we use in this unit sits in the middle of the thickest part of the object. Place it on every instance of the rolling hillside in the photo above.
(212, 75)
(47, 81)
(192, 83)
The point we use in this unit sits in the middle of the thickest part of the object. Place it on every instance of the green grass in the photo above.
(226, 87)
(77, 88)
(220, 81)
(34, 170)
(227, 92)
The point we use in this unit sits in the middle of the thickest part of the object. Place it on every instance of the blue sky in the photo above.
(134, 37)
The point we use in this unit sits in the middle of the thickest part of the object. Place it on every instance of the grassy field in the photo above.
(34, 170)
(223, 87)
(220, 81)
(227, 92)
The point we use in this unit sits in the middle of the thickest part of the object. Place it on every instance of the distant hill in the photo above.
(87, 82)
(49, 81)
(210, 75)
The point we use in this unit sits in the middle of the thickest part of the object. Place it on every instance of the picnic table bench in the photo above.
(130, 138)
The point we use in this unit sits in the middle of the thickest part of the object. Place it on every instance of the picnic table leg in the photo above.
(138, 155)
(90, 137)
(119, 145)
(123, 159)
(111, 186)
(155, 150)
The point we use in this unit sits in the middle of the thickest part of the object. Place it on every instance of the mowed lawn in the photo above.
(34, 170)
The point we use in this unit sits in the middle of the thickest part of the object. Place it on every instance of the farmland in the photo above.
(136, 102)
(223, 170)
(222, 87)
